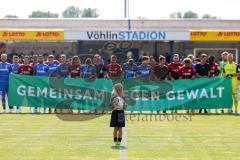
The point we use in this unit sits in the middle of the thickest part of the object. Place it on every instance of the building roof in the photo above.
(177, 25)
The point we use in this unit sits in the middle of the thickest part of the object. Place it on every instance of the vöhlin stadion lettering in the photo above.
(126, 35)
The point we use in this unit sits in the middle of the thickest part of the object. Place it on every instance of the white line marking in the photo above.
(123, 147)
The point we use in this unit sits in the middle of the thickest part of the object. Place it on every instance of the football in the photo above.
(118, 102)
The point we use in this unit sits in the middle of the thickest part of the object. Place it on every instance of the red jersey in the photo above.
(186, 72)
(33, 64)
(214, 69)
(174, 69)
(25, 70)
(114, 70)
(75, 71)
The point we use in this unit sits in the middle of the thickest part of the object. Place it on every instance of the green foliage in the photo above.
(72, 12)
(41, 14)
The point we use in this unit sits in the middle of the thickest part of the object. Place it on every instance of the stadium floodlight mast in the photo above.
(126, 9)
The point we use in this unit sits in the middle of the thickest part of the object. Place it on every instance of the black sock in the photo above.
(115, 139)
(119, 139)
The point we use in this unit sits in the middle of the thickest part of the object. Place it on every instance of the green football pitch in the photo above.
(89, 137)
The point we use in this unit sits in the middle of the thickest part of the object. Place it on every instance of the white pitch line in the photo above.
(123, 147)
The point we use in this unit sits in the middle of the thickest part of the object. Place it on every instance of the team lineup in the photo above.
(96, 68)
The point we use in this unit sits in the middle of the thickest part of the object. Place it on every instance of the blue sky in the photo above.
(110, 9)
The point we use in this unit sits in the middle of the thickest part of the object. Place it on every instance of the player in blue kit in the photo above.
(52, 68)
(88, 70)
(63, 67)
(14, 68)
(40, 69)
(62, 71)
(144, 70)
(15, 65)
(5, 70)
(52, 65)
(129, 69)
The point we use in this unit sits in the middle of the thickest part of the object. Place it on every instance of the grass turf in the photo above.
(42, 137)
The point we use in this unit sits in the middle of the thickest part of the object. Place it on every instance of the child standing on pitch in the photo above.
(118, 117)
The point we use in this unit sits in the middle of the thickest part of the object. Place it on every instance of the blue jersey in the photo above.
(52, 67)
(144, 71)
(63, 70)
(56, 62)
(5, 70)
(14, 68)
(129, 71)
(40, 69)
(88, 71)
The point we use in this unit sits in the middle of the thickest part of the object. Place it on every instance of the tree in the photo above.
(190, 14)
(176, 15)
(208, 16)
(11, 16)
(40, 14)
(72, 12)
(90, 12)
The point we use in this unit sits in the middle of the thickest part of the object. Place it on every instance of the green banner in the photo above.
(142, 95)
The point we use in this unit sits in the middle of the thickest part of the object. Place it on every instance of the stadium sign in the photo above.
(209, 93)
(215, 35)
(32, 34)
(126, 35)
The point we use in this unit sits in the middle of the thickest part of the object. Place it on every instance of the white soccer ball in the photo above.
(118, 102)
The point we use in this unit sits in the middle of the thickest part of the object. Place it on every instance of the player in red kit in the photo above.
(114, 69)
(75, 72)
(34, 60)
(214, 68)
(187, 72)
(174, 68)
(25, 68)
(75, 67)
